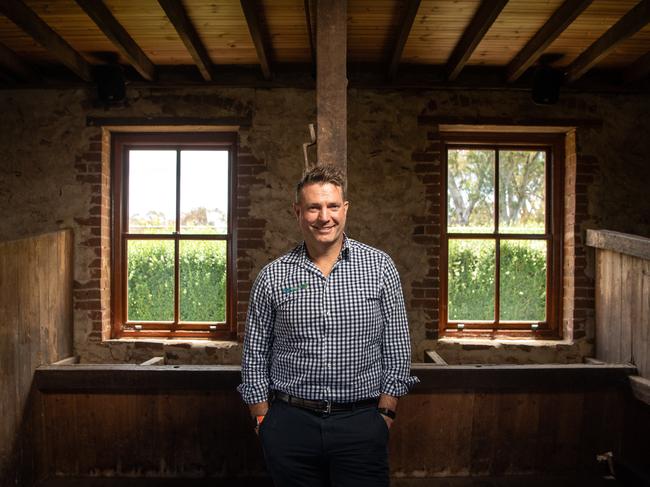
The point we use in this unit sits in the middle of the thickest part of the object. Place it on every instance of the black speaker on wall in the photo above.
(546, 85)
(111, 87)
(547, 80)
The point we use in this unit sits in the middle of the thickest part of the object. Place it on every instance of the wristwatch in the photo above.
(387, 412)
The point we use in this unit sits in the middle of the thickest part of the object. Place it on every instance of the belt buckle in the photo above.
(328, 407)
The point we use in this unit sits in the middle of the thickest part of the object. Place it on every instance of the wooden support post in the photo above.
(331, 82)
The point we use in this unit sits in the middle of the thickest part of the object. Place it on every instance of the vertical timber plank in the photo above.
(616, 304)
(602, 305)
(630, 278)
(484, 431)
(525, 429)
(644, 325)
(8, 351)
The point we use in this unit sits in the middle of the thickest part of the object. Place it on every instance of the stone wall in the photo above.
(54, 173)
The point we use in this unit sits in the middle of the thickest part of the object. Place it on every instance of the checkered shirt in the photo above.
(340, 338)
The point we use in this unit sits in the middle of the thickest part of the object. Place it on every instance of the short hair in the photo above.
(322, 174)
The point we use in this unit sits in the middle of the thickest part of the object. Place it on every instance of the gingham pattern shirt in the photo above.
(341, 338)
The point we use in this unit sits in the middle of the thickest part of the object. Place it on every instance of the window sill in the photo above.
(189, 342)
(174, 351)
(499, 342)
(460, 351)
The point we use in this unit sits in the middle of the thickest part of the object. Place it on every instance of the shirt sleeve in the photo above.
(396, 343)
(257, 343)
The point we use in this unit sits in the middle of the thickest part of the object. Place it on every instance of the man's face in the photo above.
(321, 214)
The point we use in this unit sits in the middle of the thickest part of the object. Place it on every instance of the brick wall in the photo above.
(91, 287)
(426, 233)
(250, 231)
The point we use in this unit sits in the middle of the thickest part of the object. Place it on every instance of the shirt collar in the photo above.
(299, 254)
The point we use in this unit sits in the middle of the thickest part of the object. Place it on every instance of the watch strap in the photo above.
(387, 412)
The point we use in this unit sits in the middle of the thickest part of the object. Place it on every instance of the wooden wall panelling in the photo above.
(166, 434)
(622, 309)
(35, 300)
(9, 354)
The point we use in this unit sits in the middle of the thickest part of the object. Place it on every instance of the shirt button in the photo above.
(326, 313)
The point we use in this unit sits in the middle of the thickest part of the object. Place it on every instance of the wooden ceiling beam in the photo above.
(551, 30)
(406, 25)
(178, 17)
(255, 28)
(638, 70)
(15, 64)
(627, 26)
(25, 18)
(483, 19)
(108, 24)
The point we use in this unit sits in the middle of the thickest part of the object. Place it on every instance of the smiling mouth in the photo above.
(323, 229)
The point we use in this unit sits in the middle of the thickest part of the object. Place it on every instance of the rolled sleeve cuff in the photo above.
(397, 387)
(252, 394)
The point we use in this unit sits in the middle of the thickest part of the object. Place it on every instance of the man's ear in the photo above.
(296, 210)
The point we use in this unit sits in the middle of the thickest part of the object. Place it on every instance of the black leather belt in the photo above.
(323, 407)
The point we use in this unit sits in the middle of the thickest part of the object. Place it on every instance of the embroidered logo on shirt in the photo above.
(289, 290)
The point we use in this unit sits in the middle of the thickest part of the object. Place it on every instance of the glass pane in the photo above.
(523, 280)
(203, 280)
(471, 279)
(152, 191)
(204, 191)
(470, 190)
(521, 191)
(150, 288)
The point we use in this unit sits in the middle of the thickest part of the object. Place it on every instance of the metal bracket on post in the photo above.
(307, 145)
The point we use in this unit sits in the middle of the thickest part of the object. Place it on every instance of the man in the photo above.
(327, 340)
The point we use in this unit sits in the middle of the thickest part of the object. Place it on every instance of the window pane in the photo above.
(152, 191)
(471, 279)
(150, 270)
(204, 191)
(523, 280)
(521, 191)
(470, 190)
(203, 280)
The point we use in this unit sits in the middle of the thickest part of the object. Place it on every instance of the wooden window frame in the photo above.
(121, 143)
(553, 144)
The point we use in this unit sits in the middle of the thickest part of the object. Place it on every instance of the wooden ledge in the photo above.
(640, 388)
(619, 242)
(152, 378)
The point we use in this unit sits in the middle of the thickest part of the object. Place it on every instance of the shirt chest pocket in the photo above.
(363, 304)
(293, 311)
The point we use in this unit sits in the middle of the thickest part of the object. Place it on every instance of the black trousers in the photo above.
(303, 448)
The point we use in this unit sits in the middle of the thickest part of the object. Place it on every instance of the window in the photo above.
(501, 235)
(173, 255)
